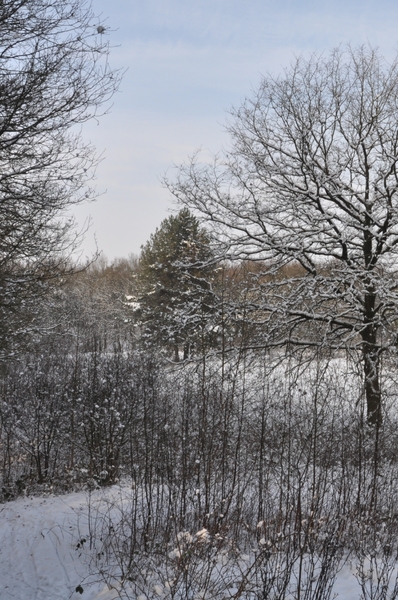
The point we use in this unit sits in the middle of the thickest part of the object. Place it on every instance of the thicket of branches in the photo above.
(254, 477)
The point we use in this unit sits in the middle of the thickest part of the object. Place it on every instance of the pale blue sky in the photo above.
(188, 63)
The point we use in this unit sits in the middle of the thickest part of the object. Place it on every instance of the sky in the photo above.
(186, 65)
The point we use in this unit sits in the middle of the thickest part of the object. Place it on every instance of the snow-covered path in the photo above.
(38, 555)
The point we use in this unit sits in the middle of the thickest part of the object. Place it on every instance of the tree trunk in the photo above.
(371, 363)
(186, 350)
(176, 353)
(372, 386)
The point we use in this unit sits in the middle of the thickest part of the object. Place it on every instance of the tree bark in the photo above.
(176, 353)
(372, 385)
(371, 363)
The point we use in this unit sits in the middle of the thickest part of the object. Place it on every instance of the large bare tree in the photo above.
(54, 76)
(311, 181)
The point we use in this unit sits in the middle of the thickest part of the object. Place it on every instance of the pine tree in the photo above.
(174, 284)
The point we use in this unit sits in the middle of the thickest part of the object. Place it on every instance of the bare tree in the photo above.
(54, 76)
(311, 180)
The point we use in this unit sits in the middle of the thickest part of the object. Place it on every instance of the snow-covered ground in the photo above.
(39, 558)
(38, 555)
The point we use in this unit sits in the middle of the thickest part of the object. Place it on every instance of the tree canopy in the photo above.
(54, 76)
(311, 179)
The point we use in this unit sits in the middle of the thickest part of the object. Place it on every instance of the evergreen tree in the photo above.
(174, 284)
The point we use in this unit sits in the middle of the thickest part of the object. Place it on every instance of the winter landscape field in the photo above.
(215, 418)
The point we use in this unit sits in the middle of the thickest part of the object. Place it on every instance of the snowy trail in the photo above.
(38, 560)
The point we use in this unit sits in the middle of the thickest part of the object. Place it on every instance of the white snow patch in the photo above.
(38, 555)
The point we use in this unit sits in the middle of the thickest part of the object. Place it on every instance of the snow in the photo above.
(39, 557)
(346, 586)
(38, 554)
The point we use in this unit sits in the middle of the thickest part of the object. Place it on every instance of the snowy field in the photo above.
(39, 558)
